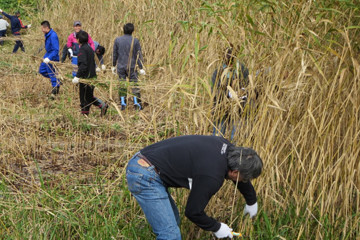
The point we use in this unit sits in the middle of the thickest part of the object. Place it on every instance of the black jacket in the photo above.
(86, 62)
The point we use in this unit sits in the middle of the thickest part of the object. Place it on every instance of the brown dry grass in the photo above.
(306, 126)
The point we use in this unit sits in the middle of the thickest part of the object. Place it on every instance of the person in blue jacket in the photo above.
(52, 54)
(16, 25)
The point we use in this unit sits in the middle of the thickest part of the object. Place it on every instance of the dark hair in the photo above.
(129, 28)
(246, 161)
(45, 24)
(101, 49)
(83, 37)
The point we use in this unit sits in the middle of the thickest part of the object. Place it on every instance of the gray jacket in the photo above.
(122, 57)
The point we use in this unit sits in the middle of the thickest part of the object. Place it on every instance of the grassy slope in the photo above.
(62, 175)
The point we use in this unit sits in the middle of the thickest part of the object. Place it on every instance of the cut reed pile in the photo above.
(305, 125)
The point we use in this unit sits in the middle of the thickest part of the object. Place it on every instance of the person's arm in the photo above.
(69, 41)
(22, 25)
(83, 65)
(7, 15)
(248, 191)
(7, 24)
(101, 58)
(64, 53)
(139, 55)
(115, 53)
(91, 43)
(203, 188)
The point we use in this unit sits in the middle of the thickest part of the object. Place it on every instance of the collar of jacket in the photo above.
(47, 35)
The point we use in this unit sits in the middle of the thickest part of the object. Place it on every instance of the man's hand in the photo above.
(103, 67)
(29, 25)
(75, 80)
(71, 52)
(1, 11)
(142, 72)
(224, 231)
(98, 69)
(251, 210)
(46, 60)
(113, 70)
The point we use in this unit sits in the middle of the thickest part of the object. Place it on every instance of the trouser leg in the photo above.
(151, 194)
(86, 97)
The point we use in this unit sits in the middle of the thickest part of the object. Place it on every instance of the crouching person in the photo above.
(198, 163)
(52, 54)
(86, 70)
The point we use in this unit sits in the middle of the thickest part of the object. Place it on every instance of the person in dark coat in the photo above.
(126, 55)
(86, 70)
(16, 25)
(198, 163)
(231, 73)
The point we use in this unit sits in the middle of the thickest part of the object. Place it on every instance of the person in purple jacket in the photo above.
(52, 54)
(198, 163)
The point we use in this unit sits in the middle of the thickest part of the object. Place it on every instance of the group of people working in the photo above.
(195, 162)
(127, 57)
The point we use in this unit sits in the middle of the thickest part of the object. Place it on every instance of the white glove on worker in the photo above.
(103, 67)
(71, 52)
(224, 231)
(113, 70)
(1, 10)
(29, 26)
(251, 210)
(46, 60)
(75, 80)
(98, 69)
(142, 72)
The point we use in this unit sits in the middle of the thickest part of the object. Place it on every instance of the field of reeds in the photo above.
(62, 174)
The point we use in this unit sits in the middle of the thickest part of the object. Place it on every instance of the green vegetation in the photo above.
(62, 175)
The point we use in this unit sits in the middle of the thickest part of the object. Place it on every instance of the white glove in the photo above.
(224, 231)
(142, 72)
(71, 52)
(75, 80)
(103, 67)
(251, 210)
(46, 60)
(29, 25)
(97, 69)
(113, 70)
(1, 10)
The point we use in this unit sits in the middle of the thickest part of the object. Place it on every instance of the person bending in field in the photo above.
(72, 46)
(16, 25)
(52, 54)
(126, 55)
(86, 70)
(231, 73)
(198, 163)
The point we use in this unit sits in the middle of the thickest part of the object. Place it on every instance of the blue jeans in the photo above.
(155, 201)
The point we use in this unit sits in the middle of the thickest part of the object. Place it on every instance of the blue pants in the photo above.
(156, 202)
(48, 71)
(2, 34)
(74, 62)
(18, 43)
